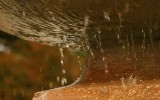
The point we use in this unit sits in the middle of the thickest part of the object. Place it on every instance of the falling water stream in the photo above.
(121, 37)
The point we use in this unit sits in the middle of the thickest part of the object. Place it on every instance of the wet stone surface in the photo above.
(105, 91)
(121, 38)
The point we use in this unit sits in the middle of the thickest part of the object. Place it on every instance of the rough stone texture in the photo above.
(147, 90)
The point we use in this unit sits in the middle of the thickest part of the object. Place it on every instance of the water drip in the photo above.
(63, 81)
(99, 43)
(144, 40)
(123, 35)
(62, 59)
(123, 83)
(58, 78)
(107, 16)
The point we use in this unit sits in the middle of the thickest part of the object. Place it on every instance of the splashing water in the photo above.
(92, 26)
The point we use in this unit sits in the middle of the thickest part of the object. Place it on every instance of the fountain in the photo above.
(121, 39)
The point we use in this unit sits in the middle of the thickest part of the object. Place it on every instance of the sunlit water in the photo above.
(113, 33)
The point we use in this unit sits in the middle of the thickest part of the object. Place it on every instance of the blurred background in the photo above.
(27, 67)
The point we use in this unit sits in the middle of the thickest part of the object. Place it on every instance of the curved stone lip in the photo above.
(81, 79)
(41, 95)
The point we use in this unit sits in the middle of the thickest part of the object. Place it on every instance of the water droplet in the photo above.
(106, 16)
(2, 48)
(63, 81)
(123, 83)
(67, 46)
(63, 71)
(103, 90)
(58, 78)
(106, 71)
